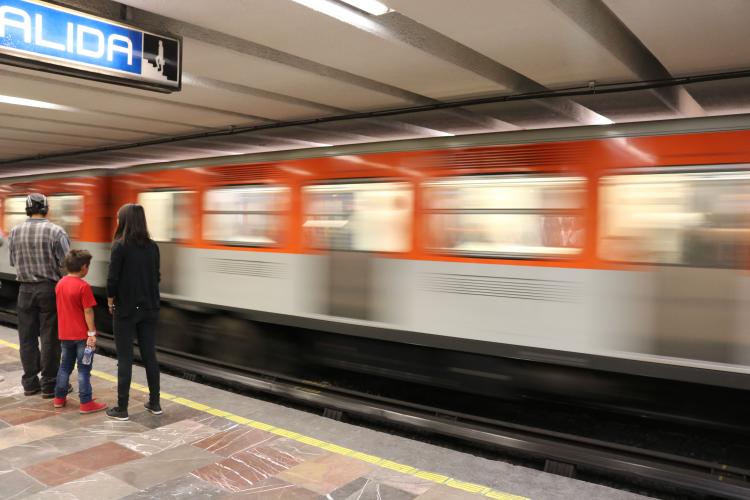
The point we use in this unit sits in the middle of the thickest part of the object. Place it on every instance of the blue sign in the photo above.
(64, 40)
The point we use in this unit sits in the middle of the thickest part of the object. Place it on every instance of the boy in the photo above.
(76, 330)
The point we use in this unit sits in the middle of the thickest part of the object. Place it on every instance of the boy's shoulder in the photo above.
(68, 282)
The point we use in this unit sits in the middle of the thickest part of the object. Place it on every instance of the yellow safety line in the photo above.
(333, 448)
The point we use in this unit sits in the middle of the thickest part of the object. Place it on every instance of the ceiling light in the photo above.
(341, 12)
(370, 6)
(20, 101)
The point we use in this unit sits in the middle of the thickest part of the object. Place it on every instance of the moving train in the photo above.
(548, 262)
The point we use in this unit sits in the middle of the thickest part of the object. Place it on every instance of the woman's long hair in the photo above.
(131, 225)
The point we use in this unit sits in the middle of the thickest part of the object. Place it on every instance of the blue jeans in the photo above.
(72, 354)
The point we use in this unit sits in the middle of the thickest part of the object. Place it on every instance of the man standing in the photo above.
(37, 251)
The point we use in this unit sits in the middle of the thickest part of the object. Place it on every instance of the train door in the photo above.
(168, 215)
(354, 223)
(694, 228)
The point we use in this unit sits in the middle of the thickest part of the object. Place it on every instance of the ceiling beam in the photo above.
(603, 25)
(396, 26)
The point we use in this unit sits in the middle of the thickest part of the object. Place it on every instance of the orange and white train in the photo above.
(446, 259)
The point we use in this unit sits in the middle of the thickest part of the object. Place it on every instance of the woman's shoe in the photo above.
(59, 402)
(153, 408)
(92, 407)
(118, 413)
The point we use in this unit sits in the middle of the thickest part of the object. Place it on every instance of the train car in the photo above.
(80, 205)
(492, 264)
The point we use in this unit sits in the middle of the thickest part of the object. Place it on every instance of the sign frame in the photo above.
(78, 69)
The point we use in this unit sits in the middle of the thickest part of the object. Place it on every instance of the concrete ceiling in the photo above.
(250, 63)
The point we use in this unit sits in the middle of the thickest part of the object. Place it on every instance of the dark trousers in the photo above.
(37, 323)
(140, 325)
(72, 355)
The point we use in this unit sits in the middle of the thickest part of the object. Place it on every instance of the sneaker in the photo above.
(154, 408)
(118, 413)
(32, 392)
(59, 402)
(92, 407)
(50, 395)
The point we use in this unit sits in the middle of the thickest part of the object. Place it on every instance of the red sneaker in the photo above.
(92, 407)
(59, 402)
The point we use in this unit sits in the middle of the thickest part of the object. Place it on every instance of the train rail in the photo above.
(559, 452)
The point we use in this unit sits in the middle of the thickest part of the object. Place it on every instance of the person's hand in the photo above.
(111, 305)
(91, 342)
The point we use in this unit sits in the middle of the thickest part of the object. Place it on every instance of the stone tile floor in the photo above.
(48, 453)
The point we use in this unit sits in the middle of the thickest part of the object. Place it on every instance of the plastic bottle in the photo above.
(88, 355)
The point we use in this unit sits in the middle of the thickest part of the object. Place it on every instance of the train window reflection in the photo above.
(510, 216)
(696, 219)
(168, 214)
(247, 215)
(15, 211)
(66, 210)
(372, 217)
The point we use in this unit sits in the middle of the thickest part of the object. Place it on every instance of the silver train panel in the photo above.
(677, 316)
(97, 276)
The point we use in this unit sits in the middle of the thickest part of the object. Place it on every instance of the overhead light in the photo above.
(341, 12)
(20, 101)
(370, 6)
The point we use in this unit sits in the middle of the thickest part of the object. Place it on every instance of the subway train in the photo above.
(562, 262)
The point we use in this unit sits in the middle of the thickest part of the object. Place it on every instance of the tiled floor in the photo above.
(49, 453)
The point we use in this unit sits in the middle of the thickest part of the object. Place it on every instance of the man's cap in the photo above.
(36, 199)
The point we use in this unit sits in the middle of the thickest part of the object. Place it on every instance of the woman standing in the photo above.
(133, 299)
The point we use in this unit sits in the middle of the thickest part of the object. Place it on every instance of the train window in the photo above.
(15, 211)
(506, 216)
(373, 217)
(246, 215)
(65, 210)
(697, 219)
(168, 214)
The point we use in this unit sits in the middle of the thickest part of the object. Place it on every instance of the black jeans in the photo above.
(37, 323)
(140, 325)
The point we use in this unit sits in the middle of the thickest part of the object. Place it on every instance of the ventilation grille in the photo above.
(257, 268)
(533, 155)
(502, 287)
(245, 173)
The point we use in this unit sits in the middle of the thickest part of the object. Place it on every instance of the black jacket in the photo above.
(134, 277)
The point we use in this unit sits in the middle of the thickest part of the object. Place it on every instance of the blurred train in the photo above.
(554, 262)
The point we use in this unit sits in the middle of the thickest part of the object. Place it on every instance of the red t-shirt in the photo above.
(73, 296)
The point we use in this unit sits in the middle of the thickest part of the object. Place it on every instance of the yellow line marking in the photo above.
(431, 476)
(499, 495)
(238, 419)
(337, 449)
(191, 404)
(470, 487)
(365, 457)
(260, 425)
(381, 462)
(103, 375)
(9, 344)
(283, 432)
(311, 441)
(405, 469)
(218, 413)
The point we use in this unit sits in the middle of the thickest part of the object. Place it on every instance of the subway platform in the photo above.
(211, 443)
